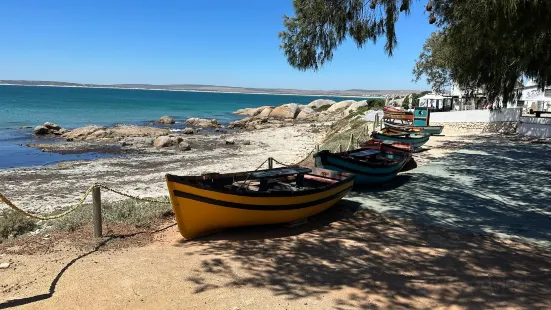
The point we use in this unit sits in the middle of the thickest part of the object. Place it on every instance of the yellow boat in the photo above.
(207, 203)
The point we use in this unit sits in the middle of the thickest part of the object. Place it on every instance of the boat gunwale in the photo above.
(186, 180)
(398, 165)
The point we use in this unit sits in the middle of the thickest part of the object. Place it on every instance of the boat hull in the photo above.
(430, 130)
(415, 140)
(201, 211)
(365, 174)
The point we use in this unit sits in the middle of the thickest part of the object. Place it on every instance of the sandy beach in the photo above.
(59, 186)
(380, 249)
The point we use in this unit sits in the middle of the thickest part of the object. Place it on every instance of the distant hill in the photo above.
(215, 88)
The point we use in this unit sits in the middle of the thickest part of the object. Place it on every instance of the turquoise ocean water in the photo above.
(72, 107)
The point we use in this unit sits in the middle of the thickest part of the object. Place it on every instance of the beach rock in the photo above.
(188, 131)
(286, 111)
(245, 111)
(230, 141)
(162, 141)
(25, 127)
(252, 111)
(167, 120)
(320, 103)
(240, 124)
(5, 265)
(341, 105)
(184, 146)
(201, 122)
(329, 116)
(307, 114)
(41, 130)
(176, 140)
(353, 107)
(266, 112)
(137, 131)
(52, 126)
(82, 132)
(98, 134)
(247, 142)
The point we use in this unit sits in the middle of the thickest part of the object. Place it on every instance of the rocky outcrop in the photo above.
(101, 133)
(252, 111)
(320, 103)
(340, 105)
(354, 106)
(306, 114)
(286, 111)
(166, 120)
(41, 130)
(266, 112)
(49, 129)
(201, 122)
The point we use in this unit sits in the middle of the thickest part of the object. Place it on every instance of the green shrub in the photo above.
(13, 224)
(322, 108)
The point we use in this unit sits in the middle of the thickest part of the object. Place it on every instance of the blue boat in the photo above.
(369, 166)
(415, 139)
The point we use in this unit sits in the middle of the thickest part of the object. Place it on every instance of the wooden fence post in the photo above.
(96, 201)
(270, 163)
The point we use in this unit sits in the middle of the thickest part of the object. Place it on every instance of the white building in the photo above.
(533, 98)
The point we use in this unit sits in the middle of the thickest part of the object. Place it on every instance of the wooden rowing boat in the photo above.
(387, 146)
(430, 130)
(207, 203)
(415, 139)
(368, 165)
(396, 114)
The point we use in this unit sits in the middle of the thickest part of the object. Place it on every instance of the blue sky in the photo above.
(216, 42)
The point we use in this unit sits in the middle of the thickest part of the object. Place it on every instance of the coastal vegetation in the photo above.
(14, 224)
(138, 214)
(487, 45)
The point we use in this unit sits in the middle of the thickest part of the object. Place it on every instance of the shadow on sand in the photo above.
(486, 187)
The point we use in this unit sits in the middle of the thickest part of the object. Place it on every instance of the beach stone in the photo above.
(41, 130)
(137, 131)
(5, 265)
(318, 103)
(286, 111)
(266, 112)
(241, 124)
(307, 114)
(251, 111)
(188, 131)
(230, 141)
(247, 142)
(82, 132)
(162, 141)
(201, 122)
(353, 107)
(52, 126)
(167, 120)
(176, 140)
(184, 146)
(341, 105)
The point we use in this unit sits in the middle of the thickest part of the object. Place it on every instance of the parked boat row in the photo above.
(208, 203)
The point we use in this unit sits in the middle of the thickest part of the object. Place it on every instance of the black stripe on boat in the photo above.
(244, 206)
(188, 180)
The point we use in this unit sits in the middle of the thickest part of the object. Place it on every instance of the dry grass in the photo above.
(137, 213)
